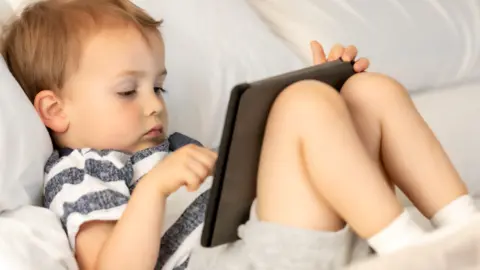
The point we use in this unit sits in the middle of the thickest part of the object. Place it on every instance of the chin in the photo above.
(149, 143)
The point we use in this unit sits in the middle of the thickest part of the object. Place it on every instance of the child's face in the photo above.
(114, 99)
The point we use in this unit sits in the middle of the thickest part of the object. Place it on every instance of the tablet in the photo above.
(234, 184)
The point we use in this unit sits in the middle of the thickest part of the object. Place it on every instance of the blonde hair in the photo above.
(44, 43)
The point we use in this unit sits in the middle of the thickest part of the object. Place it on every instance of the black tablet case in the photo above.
(234, 185)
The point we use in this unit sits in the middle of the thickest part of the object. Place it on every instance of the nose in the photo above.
(153, 105)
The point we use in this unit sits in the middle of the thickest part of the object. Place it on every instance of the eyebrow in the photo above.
(139, 73)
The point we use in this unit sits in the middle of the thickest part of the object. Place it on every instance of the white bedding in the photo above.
(423, 44)
(32, 238)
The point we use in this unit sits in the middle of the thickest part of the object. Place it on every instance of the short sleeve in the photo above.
(87, 185)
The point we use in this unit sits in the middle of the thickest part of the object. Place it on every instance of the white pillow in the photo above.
(420, 43)
(24, 146)
(211, 45)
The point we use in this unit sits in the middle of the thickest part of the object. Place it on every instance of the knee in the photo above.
(308, 97)
(305, 105)
(367, 89)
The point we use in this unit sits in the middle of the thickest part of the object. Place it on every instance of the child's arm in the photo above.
(133, 241)
(109, 238)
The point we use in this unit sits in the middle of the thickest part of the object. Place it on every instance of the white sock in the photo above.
(402, 232)
(458, 211)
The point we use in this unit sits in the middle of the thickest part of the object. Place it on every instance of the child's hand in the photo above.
(188, 166)
(338, 51)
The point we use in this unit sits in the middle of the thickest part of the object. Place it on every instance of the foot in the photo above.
(456, 247)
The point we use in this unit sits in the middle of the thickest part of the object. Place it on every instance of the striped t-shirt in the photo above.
(83, 185)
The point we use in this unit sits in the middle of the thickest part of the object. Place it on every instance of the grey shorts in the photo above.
(264, 245)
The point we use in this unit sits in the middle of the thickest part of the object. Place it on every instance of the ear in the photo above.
(51, 110)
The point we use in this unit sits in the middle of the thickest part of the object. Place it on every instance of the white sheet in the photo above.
(32, 238)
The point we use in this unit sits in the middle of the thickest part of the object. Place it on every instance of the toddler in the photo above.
(131, 197)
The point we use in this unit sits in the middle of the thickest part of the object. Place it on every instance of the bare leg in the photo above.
(396, 136)
(314, 168)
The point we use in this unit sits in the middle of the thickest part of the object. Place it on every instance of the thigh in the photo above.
(285, 194)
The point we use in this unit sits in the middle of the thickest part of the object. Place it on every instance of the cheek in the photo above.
(118, 128)
(110, 115)
(125, 117)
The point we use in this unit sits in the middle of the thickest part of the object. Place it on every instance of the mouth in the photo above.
(154, 132)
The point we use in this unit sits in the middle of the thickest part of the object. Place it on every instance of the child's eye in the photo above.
(127, 93)
(159, 90)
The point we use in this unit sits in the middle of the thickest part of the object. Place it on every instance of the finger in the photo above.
(193, 149)
(350, 53)
(213, 156)
(336, 52)
(192, 181)
(211, 153)
(318, 53)
(204, 156)
(199, 169)
(361, 65)
(204, 150)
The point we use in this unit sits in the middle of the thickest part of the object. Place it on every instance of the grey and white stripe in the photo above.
(85, 184)
(94, 201)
